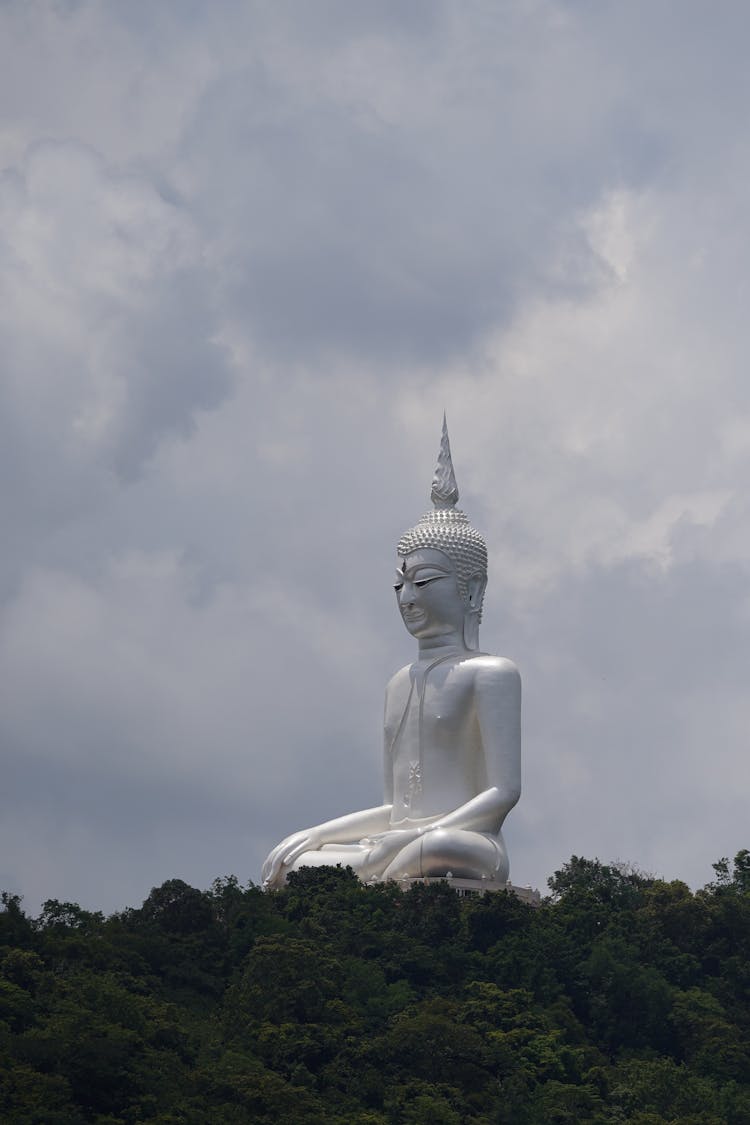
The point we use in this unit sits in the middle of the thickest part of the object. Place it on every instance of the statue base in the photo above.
(468, 888)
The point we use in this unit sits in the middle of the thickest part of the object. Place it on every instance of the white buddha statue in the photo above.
(452, 748)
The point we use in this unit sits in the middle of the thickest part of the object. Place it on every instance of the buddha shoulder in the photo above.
(491, 673)
(399, 679)
(481, 663)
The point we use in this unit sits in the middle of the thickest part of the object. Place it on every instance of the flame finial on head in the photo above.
(444, 488)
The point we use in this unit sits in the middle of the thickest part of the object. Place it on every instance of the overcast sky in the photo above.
(249, 252)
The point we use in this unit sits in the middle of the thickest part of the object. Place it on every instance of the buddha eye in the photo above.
(426, 579)
(398, 586)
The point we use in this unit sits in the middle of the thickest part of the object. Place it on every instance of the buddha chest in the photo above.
(433, 739)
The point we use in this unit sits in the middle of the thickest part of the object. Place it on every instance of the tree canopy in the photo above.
(622, 998)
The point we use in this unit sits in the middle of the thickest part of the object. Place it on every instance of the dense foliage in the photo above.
(621, 999)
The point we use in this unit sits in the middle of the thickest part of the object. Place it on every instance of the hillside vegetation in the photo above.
(622, 998)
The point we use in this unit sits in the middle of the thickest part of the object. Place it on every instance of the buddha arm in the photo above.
(353, 826)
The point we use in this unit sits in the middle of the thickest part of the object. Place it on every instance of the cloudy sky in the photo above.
(249, 252)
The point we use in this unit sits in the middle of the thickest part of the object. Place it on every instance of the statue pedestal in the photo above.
(466, 888)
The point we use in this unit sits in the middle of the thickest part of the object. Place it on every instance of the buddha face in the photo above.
(428, 597)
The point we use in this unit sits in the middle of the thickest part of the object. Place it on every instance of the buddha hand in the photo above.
(290, 848)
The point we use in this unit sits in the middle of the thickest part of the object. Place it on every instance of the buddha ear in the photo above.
(475, 588)
(474, 596)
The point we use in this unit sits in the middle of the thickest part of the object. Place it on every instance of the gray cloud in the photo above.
(247, 256)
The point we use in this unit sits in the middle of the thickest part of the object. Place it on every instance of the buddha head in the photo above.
(452, 545)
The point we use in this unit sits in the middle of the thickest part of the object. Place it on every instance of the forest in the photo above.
(621, 998)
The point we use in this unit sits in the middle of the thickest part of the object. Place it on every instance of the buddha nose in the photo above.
(406, 594)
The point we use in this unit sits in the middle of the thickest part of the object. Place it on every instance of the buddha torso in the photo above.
(433, 745)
